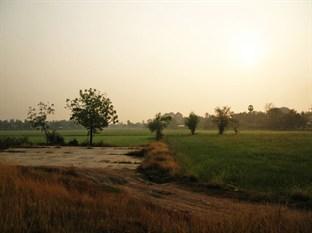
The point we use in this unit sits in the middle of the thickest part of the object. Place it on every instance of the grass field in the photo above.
(271, 162)
(115, 137)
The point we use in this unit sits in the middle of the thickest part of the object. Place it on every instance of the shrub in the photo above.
(73, 142)
(7, 142)
(55, 138)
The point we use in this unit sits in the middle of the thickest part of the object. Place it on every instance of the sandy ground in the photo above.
(96, 157)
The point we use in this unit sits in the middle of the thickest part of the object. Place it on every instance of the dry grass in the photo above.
(60, 200)
(159, 165)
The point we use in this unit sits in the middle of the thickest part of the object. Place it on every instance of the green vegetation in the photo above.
(191, 122)
(37, 117)
(158, 124)
(92, 110)
(271, 162)
(114, 137)
(277, 163)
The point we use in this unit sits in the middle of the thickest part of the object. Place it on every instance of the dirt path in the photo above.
(176, 197)
(95, 157)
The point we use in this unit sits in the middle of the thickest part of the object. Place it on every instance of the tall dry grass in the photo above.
(64, 202)
(159, 165)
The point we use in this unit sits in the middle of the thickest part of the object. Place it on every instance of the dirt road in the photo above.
(84, 157)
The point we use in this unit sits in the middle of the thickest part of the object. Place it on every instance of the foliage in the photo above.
(111, 136)
(37, 117)
(222, 118)
(284, 118)
(191, 122)
(234, 122)
(158, 124)
(73, 142)
(55, 138)
(7, 142)
(92, 110)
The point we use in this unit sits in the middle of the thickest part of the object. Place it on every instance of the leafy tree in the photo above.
(37, 117)
(222, 118)
(92, 110)
(159, 123)
(191, 122)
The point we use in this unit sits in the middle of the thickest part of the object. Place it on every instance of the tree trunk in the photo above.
(46, 134)
(193, 131)
(91, 136)
(158, 135)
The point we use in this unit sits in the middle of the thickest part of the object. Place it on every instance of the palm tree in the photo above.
(250, 108)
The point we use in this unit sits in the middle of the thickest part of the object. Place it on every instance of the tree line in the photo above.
(94, 111)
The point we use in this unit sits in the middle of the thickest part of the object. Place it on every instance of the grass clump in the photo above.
(159, 164)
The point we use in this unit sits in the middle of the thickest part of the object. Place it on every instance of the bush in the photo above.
(13, 142)
(54, 138)
(73, 142)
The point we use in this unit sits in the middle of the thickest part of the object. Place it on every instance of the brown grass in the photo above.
(61, 200)
(159, 165)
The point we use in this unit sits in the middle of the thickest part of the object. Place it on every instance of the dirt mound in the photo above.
(159, 164)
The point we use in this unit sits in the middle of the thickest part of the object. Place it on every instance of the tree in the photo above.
(222, 118)
(235, 124)
(250, 108)
(191, 122)
(37, 117)
(268, 106)
(92, 110)
(158, 124)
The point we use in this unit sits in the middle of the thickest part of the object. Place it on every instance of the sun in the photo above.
(248, 49)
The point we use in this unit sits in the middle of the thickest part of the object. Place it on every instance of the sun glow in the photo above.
(248, 49)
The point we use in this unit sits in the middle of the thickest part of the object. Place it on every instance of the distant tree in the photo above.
(250, 108)
(92, 110)
(37, 117)
(285, 118)
(222, 118)
(268, 106)
(235, 124)
(159, 123)
(191, 122)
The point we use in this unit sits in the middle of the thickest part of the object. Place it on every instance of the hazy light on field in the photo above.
(152, 56)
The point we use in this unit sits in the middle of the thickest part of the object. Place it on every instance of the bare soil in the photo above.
(84, 157)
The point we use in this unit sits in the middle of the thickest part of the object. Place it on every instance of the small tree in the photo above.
(235, 124)
(37, 117)
(92, 110)
(250, 108)
(158, 124)
(222, 118)
(191, 122)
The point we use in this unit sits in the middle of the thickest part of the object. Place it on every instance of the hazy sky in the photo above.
(156, 56)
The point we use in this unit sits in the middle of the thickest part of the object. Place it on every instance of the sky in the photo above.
(156, 56)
